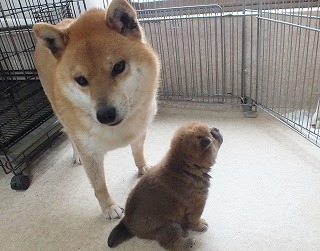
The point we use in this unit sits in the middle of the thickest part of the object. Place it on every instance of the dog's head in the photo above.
(103, 64)
(197, 144)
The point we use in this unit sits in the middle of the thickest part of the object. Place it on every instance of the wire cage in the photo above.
(190, 40)
(288, 65)
(254, 53)
(27, 122)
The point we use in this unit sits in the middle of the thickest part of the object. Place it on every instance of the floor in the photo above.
(264, 195)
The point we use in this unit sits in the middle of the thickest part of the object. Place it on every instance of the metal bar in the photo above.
(244, 53)
(288, 23)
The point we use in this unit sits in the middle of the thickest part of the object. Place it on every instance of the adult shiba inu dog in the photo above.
(169, 199)
(101, 78)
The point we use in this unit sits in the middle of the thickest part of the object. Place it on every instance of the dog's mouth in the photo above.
(116, 123)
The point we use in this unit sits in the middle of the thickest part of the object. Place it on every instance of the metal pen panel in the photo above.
(190, 42)
(288, 65)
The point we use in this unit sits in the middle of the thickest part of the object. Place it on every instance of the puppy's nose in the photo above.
(214, 129)
(216, 134)
(106, 114)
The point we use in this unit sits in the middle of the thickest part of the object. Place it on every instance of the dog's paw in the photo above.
(113, 212)
(202, 226)
(76, 159)
(143, 169)
(76, 155)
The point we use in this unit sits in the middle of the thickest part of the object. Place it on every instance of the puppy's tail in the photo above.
(118, 235)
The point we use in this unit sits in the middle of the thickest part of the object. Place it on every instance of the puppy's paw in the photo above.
(186, 244)
(190, 243)
(143, 169)
(202, 226)
(113, 212)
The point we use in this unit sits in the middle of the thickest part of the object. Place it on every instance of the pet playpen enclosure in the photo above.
(251, 53)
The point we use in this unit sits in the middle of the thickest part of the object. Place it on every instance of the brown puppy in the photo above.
(170, 198)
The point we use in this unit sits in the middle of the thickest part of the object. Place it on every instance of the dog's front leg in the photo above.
(137, 148)
(94, 168)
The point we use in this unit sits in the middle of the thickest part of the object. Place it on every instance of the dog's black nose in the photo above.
(106, 114)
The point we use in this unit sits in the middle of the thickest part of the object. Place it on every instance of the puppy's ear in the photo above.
(122, 18)
(205, 142)
(53, 38)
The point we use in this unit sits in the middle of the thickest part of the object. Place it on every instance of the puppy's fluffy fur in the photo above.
(170, 198)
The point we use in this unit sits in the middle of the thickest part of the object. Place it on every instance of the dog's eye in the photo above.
(118, 68)
(81, 80)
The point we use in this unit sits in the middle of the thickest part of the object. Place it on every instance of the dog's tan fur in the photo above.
(170, 198)
(101, 104)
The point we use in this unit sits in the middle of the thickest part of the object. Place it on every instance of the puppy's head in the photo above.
(197, 144)
(103, 64)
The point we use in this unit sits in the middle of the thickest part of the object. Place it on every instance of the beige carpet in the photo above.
(264, 195)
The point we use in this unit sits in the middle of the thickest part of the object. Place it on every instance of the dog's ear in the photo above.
(53, 38)
(122, 18)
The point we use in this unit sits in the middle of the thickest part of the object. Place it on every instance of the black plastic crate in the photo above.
(23, 108)
(27, 122)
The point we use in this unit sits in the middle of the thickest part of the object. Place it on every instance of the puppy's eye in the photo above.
(205, 142)
(118, 68)
(81, 80)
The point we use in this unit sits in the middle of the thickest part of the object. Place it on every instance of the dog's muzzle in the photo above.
(108, 115)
